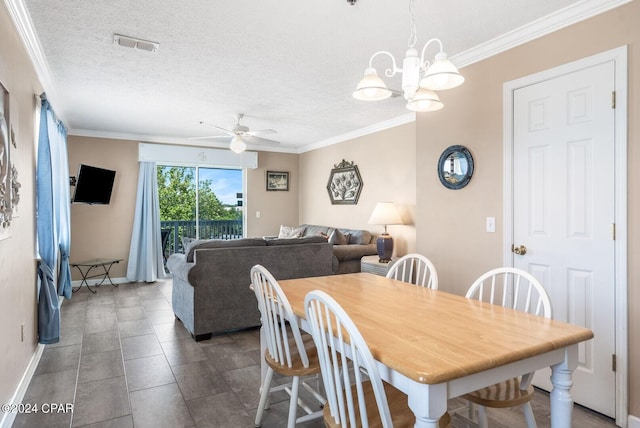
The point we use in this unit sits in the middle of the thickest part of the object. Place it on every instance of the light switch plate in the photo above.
(491, 224)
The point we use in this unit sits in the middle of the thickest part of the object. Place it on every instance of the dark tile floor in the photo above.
(123, 361)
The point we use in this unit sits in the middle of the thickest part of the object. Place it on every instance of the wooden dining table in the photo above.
(434, 345)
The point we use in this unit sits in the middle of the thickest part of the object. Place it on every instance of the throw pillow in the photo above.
(338, 238)
(361, 237)
(186, 243)
(290, 232)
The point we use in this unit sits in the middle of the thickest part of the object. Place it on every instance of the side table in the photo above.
(371, 264)
(105, 264)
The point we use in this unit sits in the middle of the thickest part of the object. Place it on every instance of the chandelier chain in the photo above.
(413, 33)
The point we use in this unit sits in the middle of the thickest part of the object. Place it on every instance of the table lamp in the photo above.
(385, 213)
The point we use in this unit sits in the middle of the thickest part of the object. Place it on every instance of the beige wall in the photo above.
(386, 161)
(17, 253)
(450, 224)
(99, 231)
(276, 207)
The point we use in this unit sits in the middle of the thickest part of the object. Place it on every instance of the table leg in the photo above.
(428, 403)
(561, 401)
(84, 275)
(106, 273)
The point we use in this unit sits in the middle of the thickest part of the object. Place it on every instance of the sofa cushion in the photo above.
(223, 243)
(291, 231)
(359, 237)
(295, 241)
(338, 238)
(313, 230)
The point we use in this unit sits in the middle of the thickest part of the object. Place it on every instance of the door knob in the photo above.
(521, 250)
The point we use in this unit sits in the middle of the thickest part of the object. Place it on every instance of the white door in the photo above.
(563, 202)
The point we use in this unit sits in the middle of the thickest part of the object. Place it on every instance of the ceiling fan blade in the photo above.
(226, 131)
(262, 131)
(252, 139)
(210, 137)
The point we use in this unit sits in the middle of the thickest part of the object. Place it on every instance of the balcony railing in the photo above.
(174, 231)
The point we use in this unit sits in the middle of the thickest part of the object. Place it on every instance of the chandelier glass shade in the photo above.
(441, 74)
(371, 87)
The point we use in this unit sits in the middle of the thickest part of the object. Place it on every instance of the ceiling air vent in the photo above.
(132, 42)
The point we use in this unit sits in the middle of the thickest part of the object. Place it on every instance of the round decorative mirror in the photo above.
(455, 167)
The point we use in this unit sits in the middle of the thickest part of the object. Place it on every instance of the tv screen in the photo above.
(94, 185)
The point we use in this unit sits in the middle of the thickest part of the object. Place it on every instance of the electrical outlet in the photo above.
(257, 214)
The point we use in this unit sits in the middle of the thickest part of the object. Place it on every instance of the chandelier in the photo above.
(419, 92)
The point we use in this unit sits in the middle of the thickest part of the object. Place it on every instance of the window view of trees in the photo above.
(177, 195)
(206, 208)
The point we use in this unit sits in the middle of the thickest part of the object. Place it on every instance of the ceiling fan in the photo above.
(239, 135)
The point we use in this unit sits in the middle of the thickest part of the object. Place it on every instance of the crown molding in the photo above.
(24, 26)
(376, 127)
(547, 24)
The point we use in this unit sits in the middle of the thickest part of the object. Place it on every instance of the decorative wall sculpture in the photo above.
(345, 184)
(9, 185)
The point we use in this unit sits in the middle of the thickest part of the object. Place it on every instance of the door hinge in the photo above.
(613, 362)
(613, 99)
(613, 231)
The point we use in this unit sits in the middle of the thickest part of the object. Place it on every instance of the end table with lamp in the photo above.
(385, 213)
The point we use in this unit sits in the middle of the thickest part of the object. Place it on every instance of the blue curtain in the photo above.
(145, 252)
(52, 222)
(61, 200)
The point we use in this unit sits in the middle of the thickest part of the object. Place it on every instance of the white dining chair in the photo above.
(516, 289)
(356, 395)
(287, 351)
(416, 269)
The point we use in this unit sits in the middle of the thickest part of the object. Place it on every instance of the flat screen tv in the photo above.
(94, 185)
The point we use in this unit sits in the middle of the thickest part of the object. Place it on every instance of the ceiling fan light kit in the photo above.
(237, 145)
(239, 135)
(419, 93)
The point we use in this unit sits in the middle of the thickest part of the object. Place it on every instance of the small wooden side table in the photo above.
(372, 264)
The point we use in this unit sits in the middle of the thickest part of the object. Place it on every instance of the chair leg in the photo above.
(528, 415)
(264, 395)
(293, 402)
(471, 411)
(483, 420)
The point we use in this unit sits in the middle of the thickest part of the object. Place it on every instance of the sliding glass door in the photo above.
(199, 203)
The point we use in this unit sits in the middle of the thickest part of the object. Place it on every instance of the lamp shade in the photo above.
(371, 87)
(441, 75)
(425, 100)
(385, 213)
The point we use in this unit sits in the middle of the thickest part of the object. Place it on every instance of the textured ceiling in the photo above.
(289, 65)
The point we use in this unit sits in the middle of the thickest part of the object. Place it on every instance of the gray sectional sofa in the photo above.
(211, 281)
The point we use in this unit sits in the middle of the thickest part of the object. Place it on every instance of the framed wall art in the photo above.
(277, 180)
(455, 167)
(345, 184)
(6, 172)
